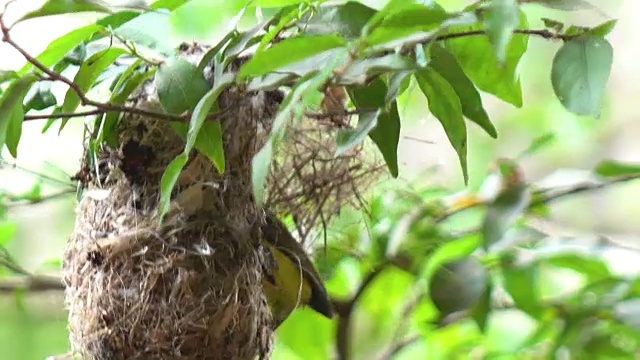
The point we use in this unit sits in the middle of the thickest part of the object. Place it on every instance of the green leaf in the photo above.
(115, 20)
(180, 85)
(281, 21)
(287, 52)
(501, 19)
(240, 43)
(215, 51)
(260, 166)
(574, 30)
(59, 7)
(76, 56)
(392, 6)
(211, 140)
(538, 144)
(151, 30)
(593, 268)
(7, 75)
(521, 282)
(448, 252)
(14, 130)
(347, 20)
(458, 285)
(386, 134)
(292, 341)
(481, 310)
(511, 202)
(167, 4)
(416, 16)
(286, 75)
(86, 77)
(34, 194)
(203, 18)
(42, 98)
(580, 72)
(447, 66)
(279, 3)
(11, 113)
(603, 29)
(168, 182)
(612, 168)
(566, 4)
(552, 24)
(445, 105)
(362, 70)
(398, 83)
(477, 57)
(131, 80)
(607, 346)
(7, 232)
(346, 139)
(61, 46)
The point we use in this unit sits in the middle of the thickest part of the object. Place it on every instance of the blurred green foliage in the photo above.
(434, 273)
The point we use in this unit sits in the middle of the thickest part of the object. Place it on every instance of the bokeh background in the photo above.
(32, 326)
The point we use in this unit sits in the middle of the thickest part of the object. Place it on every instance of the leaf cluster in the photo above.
(438, 285)
(304, 48)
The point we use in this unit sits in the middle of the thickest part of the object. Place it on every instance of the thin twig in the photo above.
(544, 196)
(38, 175)
(549, 35)
(583, 188)
(32, 283)
(399, 346)
(20, 201)
(320, 116)
(26, 280)
(65, 115)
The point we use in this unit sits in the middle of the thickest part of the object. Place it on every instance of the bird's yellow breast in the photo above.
(287, 287)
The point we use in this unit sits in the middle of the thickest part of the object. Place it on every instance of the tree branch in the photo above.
(544, 33)
(84, 100)
(539, 196)
(345, 313)
(26, 280)
(65, 115)
(33, 283)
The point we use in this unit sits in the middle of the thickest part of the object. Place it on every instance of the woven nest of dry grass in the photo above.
(191, 288)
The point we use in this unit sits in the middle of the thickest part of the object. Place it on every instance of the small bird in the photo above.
(294, 282)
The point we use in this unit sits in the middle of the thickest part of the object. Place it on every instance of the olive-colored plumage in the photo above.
(295, 281)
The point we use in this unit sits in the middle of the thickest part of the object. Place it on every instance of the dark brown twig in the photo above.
(65, 116)
(546, 34)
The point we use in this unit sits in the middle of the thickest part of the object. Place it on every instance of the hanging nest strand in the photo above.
(311, 183)
(191, 288)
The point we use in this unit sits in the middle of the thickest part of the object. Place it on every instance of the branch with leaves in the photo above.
(504, 212)
(360, 55)
(311, 49)
(25, 280)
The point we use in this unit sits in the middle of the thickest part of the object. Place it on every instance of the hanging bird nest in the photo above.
(191, 288)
